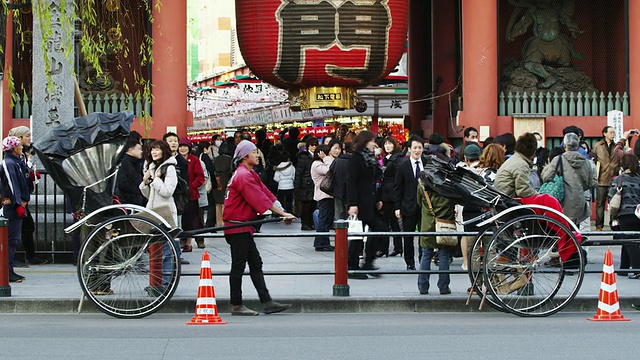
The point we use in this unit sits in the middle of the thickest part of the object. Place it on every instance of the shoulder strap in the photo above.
(426, 194)
(6, 172)
(559, 165)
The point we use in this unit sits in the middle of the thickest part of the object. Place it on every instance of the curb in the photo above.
(302, 305)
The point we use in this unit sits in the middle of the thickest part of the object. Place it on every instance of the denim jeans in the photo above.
(425, 264)
(168, 261)
(325, 222)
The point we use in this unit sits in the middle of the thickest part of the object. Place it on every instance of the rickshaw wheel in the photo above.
(474, 266)
(522, 269)
(128, 266)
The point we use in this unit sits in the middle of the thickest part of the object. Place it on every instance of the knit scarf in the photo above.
(369, 157)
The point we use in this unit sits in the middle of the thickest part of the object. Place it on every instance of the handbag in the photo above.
(555, 187)
(443, 225)
(616, 200)
(355, 225)
(326, 185)
(207, 176)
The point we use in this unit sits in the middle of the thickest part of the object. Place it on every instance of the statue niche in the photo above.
(546, 56)
(91, 82)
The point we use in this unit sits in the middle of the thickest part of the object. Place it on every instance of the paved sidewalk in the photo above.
(54, 288)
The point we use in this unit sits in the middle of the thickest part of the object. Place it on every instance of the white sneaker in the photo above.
(464, 267)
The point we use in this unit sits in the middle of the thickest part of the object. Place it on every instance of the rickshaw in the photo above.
(526, 257)
(128, 263)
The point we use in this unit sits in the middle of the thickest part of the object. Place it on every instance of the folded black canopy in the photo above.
(82, 152)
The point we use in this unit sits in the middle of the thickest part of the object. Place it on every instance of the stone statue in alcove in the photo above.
(546, 56)
(94, 82)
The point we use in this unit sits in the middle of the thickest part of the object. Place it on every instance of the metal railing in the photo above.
(341, 235)
(48, 208)
(107, 102)
(562, 104)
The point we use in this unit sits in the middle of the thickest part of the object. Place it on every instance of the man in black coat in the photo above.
(130, 175)
(405, 187)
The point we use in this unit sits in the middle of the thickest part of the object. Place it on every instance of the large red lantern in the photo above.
(321, 50)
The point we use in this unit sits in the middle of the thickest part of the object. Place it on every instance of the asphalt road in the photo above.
(320, 336)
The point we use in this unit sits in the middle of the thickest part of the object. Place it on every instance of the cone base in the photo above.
(608, 318)
(216, 320)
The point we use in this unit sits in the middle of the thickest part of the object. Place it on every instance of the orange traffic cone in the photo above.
(206, 307)
(608, 305)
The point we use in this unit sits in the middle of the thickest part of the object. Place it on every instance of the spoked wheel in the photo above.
(476, 257)
(128, 266)
(522, 269)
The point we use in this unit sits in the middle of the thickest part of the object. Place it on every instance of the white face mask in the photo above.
(376, 151)
(540, 144)
(218, 142)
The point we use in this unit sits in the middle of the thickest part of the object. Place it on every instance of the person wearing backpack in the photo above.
(159, 184)
(192, 218)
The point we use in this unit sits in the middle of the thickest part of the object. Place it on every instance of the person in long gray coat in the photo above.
(578, 177)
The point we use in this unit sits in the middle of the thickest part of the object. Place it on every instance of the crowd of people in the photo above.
(374, 179)
(377, 180)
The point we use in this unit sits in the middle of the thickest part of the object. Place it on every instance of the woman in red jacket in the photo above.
(192, 218)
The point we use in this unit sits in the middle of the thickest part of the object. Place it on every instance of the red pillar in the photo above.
(169, 69)
(634, 63)
(445, 59)
(479, 63)
(341, 285)
(419, 63)
(7, 113)
(374, 125)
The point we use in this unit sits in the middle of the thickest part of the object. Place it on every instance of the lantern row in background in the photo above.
(321, 51)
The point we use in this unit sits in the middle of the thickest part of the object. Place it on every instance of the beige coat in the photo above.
(513, 177)
(160, 191)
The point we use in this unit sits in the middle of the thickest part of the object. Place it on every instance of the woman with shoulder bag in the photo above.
(323, 158)
(158, 184)
(362, 202)
(629, 184)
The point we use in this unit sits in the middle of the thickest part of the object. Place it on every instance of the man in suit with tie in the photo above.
(405, 187)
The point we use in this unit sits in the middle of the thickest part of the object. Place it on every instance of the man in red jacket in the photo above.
(246, 198)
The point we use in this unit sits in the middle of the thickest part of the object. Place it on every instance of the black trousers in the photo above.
(388, 214)
(286, 199)
(631, 223)
(243, 251)
(28, 227)
(211, 210)
(409, 224)
(307, 207)
(356, 246)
